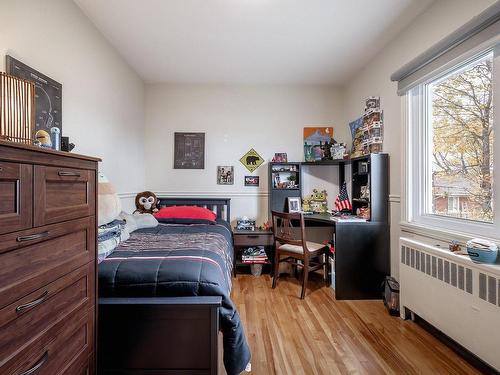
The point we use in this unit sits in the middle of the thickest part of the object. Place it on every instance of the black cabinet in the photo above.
(362, 259)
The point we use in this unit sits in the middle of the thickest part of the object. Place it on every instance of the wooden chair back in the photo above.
(284, 230)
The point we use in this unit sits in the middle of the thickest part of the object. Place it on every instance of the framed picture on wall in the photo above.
(251, 180)
(225, 175)
(280, 157)
(189, 150)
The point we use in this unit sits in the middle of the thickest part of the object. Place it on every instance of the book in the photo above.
(255, 254)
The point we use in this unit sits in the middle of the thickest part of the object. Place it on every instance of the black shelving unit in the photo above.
(370, 173)
(362, 248)
(284, 181)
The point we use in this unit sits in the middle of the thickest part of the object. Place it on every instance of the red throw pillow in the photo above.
(185, 212)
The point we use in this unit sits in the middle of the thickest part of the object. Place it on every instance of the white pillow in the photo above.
(138, 221)
(109, 205)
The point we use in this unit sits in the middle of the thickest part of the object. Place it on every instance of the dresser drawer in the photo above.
(253, 239)
(15, 196)
(27, 319)
(65, 346)
(62, 194)
(26, 267)
(81, 366)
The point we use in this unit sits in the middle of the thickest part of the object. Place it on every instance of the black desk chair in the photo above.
(291, 243)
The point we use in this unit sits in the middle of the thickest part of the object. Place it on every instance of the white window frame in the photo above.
(417, 134)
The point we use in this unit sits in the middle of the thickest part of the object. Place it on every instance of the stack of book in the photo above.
(253, 255)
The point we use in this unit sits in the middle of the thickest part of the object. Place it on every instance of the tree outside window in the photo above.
(462, 142)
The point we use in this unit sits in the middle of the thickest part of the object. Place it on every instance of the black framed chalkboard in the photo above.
(189, 151)
(48, 94)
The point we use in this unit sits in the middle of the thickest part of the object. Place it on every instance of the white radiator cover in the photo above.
(455, 295)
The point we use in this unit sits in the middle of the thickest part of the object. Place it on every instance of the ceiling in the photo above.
(250, 41)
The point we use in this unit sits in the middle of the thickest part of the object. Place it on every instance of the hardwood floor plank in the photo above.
(320, 335)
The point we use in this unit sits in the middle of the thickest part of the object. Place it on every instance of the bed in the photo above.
(164, 295)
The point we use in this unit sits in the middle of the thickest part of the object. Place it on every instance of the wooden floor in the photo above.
(320, 335)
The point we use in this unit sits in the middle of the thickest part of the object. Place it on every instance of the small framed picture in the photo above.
(251, 180)
(294, 204)
(363, 167)
(225, 175)
(372, 103)
(365, 192)
(280, 157)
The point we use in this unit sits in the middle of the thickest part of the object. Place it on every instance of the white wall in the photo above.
(103, 98)
(235, 118)
(442, 18)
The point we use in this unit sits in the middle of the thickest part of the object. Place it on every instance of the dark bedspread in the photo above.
(180, 260)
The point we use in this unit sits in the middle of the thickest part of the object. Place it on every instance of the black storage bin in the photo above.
(391, 295)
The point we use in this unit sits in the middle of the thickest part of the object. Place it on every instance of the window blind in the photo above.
(480, 32)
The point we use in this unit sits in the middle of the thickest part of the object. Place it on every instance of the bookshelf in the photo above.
(370, 185)
(284, 181)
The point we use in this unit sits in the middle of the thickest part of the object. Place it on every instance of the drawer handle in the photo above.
(252, 236)
(32, 237)
(33, 303)
(38, 364)
(68, 174)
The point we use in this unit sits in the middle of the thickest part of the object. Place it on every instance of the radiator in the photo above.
(455, 295)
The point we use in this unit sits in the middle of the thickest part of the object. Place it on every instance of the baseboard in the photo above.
(471, 358)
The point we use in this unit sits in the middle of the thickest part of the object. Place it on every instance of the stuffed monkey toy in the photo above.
(146, 202)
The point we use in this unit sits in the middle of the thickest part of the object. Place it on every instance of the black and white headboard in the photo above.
(221, 206)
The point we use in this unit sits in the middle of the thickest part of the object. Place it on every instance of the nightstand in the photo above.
(246, 238)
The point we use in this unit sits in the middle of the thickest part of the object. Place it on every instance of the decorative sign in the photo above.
(252, 160)
(48, 95)
(189, 151)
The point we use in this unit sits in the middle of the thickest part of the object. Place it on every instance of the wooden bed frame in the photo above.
(162, 335)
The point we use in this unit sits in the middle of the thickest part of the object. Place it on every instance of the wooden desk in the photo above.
(362, 256)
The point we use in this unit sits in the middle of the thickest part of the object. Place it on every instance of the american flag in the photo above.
(342, 201)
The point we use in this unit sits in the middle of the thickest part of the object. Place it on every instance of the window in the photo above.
(453, 206)
(460, 106)
(452, 148)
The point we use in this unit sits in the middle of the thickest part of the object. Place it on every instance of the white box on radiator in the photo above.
(457, 296)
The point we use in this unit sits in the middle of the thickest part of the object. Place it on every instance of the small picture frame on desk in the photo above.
(294, 204)
(363, 167)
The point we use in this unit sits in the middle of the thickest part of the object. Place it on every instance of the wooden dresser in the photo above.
(47, 261)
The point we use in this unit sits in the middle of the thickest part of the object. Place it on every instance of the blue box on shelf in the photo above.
(482, 251)
(482, 256)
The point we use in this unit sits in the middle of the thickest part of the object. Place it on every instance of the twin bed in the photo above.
(164, 294)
